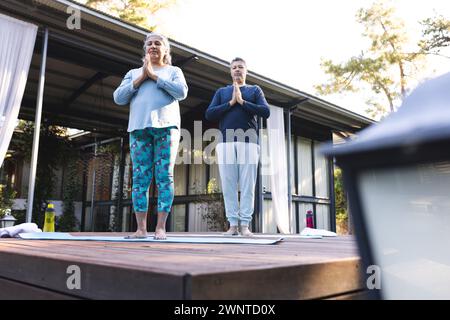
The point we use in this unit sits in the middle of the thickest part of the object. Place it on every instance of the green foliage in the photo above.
(20, 215)
(387, 67)
(67, 222)
(213, 211)
(133, 11)
(436, 34)
(55, 150)
(340, 201)
(112, 151)
(7, 196)
(372, 71)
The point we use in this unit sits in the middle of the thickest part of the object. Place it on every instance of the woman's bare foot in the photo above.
(137, 235)
(160, 234)
(160, 230)
(141, 220)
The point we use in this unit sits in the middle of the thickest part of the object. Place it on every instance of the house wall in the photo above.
(310, 182)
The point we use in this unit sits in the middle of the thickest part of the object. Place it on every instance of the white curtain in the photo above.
(278, 166)
(16, 50)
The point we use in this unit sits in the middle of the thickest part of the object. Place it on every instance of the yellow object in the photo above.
(49, 220)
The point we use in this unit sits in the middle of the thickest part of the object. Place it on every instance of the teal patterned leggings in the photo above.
(153, 148)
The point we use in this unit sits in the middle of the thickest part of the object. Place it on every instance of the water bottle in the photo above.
(49, 220)
(309, 219)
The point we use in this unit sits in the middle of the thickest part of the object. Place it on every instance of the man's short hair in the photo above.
(238, 59)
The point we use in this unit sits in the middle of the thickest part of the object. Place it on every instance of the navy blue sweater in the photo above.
(238, 116)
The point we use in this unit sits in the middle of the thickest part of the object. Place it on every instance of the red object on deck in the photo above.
(309, 219)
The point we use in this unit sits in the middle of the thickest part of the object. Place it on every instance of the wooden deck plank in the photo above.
(174, 256)
(294, 282)
(97, 281)
(293, 269)
(13, 290)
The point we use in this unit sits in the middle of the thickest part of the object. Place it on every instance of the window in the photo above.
(321, 173)
(304, 163)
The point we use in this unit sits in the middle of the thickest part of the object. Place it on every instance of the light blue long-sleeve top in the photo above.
(153, 104)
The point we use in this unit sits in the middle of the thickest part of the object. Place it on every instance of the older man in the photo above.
(237, 107)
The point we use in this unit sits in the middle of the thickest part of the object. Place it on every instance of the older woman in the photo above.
(153, 92)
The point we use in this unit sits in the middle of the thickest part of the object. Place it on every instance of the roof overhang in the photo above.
(109, 46)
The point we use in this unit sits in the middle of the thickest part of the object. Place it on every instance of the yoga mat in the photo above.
(222, 240)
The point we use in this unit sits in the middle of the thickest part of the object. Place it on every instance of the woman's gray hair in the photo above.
(167, 57)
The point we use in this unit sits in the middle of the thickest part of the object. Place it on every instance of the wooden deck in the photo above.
(293, 269)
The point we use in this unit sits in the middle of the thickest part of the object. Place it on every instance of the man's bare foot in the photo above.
(233, 231)
(160, 234)
(246, 232)
(137, 235)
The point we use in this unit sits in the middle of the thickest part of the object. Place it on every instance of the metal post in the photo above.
(37, 128)
(84, 195)
(350, 217)
(93, 188)
(291, 108)
(257, 223)
(313, 170)
(332, 192)
(186, 213)
(121, 182)
(289, 174)
(296, 188)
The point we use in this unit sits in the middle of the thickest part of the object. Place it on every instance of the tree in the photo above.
(138, 12)
(436, 34)
(387, 67)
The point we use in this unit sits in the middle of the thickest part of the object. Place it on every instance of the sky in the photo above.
(286, 39)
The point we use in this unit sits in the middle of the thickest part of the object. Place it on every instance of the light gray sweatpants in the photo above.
(238, 165)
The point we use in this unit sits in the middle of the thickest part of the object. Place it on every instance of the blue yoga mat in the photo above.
(193, 239)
